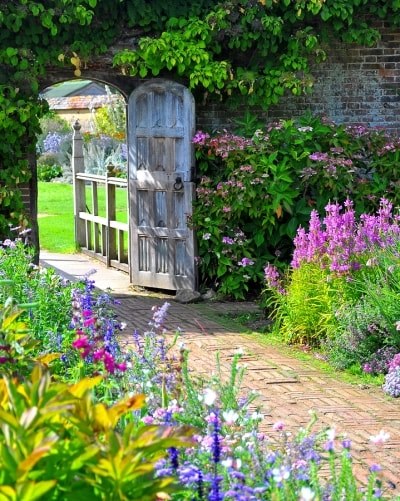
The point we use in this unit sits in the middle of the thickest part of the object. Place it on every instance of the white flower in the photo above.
(306, 494)
(206, 236)
(305, 129)
(227, 463)
(397, 324)
(122, 326)
(280, 474)
(257, 416)
(380, 438)
(331, 434)
(209, 396)
(230, 417)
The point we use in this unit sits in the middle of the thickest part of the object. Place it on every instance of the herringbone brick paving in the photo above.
(288, 388)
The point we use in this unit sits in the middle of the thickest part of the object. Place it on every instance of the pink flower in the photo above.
(246, 262)
(278, 426)
(98, 354)
(89, 321)
(148, 420)
(121, 367)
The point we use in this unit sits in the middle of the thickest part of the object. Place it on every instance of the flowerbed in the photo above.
(343, 289)
(82, 419)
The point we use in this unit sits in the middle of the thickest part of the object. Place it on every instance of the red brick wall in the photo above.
(354, 85)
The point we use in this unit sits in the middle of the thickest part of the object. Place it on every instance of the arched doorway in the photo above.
(161, 122)
(89, 101)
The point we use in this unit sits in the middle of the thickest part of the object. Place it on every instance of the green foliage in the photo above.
(55, 439)
(255, 193)
(16, 344)
(256, 50)
(47, 173)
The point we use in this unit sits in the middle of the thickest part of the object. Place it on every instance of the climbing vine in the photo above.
(237, 49)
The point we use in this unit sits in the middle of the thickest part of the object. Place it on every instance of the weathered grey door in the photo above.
(161, 123)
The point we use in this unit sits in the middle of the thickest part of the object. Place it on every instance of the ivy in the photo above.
(252, 50)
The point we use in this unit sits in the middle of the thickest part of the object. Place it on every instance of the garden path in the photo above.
(289, 388)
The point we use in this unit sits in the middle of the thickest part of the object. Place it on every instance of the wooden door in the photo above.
(161, 123)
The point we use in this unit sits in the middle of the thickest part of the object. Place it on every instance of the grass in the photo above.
(56, 215)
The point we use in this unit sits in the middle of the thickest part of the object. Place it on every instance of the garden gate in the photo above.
(161, 122)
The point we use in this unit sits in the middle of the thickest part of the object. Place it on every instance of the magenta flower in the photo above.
(109, 362)
(82, 343)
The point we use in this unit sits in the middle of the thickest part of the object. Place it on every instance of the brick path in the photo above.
(289, 388)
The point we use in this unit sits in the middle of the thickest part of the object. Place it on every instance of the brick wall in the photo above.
(354, 85)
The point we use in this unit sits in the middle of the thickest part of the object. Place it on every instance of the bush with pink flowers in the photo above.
(254, 192)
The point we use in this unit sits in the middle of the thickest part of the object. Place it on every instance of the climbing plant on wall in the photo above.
(250, 49)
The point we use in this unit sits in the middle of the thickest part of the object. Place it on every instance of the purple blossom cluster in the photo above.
(95, 330)
(52, 142)
(331, 164)
(382, 361)
(338, 242)
(273, 278)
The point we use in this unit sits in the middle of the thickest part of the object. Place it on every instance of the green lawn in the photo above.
(56, 219)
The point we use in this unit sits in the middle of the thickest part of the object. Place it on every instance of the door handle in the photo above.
(178, 185)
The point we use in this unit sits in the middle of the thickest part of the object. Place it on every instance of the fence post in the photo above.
(110, 216)
(78, 166)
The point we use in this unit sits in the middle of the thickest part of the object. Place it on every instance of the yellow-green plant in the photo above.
(57, 443)
(306, 312)
(16, 344)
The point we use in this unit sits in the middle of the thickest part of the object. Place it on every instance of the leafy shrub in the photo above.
(343, 290)
(47, 171)
(266, 186)
(61, 442)
(110, 120)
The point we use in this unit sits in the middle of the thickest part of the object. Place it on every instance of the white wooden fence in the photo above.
(100, 236)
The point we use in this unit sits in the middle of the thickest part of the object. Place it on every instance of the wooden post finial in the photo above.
(77, 126)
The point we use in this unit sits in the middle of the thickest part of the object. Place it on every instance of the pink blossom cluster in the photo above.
(222, 144)
(329, 163)
(390, 147)
(339, 240)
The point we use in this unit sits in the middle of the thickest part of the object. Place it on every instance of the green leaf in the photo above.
(35, 490)
(259, 239)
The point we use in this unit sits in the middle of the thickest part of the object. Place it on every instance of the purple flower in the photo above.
(159, 315)
(52, 143)
(246, 262)
(318, 156)
(200, 138)
(228, 240)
